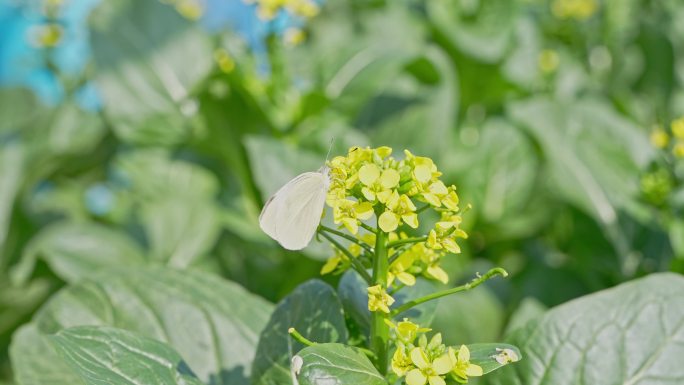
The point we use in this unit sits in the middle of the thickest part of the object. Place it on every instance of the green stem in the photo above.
(295, 334)
(356, 264)
(368, 228)
(405, 241)
(347, 237)
(396, 289)
(379, 337)
(472, 284)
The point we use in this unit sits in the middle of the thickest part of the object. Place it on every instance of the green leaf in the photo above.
(353, 293)
(35, 362)
(482, 29)
(149, 59)
(109, 355)
(336, 364)
(213, 324)
(12, 160)
(479, 317)
(314, 310)
(630, 334)
(180, 231)
(76, 250)
(485, 355)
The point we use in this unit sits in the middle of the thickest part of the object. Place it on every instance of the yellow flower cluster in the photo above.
(46, 35)
(660, 138)
(378, 299)
(269, 9)
(370, 182)
(428, 362)
(574, 9)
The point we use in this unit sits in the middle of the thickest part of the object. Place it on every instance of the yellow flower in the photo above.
(398, 269)
(548, 61)
(378, 299)
(294, 36)
(46, 35)
(462, 367)
(303, 8)
(427, 371)
(399, 208)
(574, 9)
(378, 184)
(660, 138)
(349, 213)
(444, 235)
(406, 330)
(401, 363)
(224, 60)
(678, 149)
(678, 128)
(190, 9)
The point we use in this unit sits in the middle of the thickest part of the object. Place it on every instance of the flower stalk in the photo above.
(379, 340)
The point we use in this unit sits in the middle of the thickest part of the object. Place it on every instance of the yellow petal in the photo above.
(383, 151)
(368, 193)
(443, 364)
(384, 195)
(415, 377)
(369, 173)
(463, 354)
(473, 370)
(363, 210)
(422, 173)
(436, 380)
(406, 278)
(438, 273)
(330, 265)
(419, 358)
(389, 178)
(432, 199)
(388, 221)
(411, 220)
(351, 225)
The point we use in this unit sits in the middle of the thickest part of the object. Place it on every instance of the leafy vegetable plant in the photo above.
(371, 186)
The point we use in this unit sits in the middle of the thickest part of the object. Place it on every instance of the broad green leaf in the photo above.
(353, 293)
(76, 250)
(212, 323)
(151, 173)
(630, 334)
(472, 316)
(314, 310)
(12, 158)
(338, 364)
(106, 355)
(35, 362)
(481, 29)
(149, 59)
(179, 230)
(493, 356)
(73, 131)
(529, 309)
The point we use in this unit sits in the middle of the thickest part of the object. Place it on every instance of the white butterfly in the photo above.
(291, 216)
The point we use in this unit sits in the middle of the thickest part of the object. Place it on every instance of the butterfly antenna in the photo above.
(332, 140)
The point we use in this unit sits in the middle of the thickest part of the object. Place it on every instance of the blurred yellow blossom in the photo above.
(190, 9)
(548, 61)
(378, 299)
(678, 149)
(46, 35)
(574, 9)
(659, 137)
(224, 60)
(677, 127)
(294, 36)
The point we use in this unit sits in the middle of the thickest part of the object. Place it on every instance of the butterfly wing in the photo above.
(292, 215)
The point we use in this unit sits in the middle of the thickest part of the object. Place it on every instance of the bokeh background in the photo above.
(137, 132)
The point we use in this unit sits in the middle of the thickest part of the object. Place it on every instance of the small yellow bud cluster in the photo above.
(574, 9)
(661, 139)
(424, 362)
(46, 35)
(370, 182)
